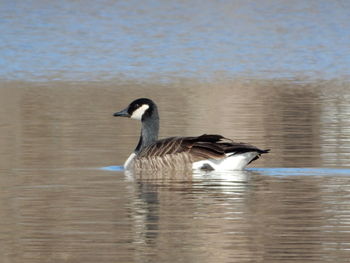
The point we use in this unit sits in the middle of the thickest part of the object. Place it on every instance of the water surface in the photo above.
(271, 73)
(94, 40)
(60, 203)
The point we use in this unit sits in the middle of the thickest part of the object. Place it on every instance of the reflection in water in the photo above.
(57, 205)
(252, 216)
(70, 125)
(250, 70)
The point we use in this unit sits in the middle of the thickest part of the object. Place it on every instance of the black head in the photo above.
(138, 109)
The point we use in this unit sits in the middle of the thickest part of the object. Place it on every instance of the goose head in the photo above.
(144, 110)
(140, 109)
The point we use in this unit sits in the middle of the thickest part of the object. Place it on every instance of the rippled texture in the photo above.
(271, 73)
(88, 215)
(90, 40)
(64, 198)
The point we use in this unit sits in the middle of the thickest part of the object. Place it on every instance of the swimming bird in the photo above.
(205, 152)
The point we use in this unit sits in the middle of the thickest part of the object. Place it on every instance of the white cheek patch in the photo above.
(137, 114)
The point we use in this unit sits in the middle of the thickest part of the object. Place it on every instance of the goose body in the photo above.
(205, 152)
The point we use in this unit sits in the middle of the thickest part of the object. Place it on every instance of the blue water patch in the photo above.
(50, 41)
(117, 168)
(277, 171)
(301, 171)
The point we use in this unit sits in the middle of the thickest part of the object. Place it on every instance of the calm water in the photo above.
(272, 73)
(109, 39)
(64, 200)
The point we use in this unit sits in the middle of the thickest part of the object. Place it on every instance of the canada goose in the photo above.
(207, 152)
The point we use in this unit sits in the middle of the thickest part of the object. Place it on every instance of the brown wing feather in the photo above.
(201, 147)
(182, 151)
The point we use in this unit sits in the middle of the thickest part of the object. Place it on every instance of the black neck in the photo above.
(149, 131)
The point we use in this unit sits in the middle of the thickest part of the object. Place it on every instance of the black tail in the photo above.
(260, 153)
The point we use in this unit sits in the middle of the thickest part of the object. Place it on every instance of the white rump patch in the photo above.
(137, 114)
(230, 163)
(128, 161)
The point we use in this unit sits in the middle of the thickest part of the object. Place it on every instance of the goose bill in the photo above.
(123, 113)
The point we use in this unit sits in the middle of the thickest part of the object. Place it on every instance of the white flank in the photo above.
(230, 163)
(137, 114)
(129, 161)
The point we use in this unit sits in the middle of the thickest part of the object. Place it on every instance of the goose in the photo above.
(205, 152)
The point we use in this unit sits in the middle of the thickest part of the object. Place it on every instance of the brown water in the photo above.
(64, 200)
(269, 72)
